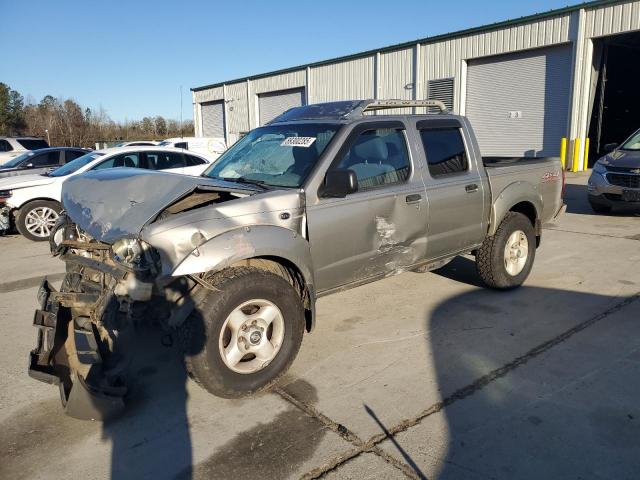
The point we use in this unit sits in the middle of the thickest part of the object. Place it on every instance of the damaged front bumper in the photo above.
(68, 354)
(5, 219)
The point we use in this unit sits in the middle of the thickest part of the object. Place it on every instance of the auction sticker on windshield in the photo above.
(305, 142)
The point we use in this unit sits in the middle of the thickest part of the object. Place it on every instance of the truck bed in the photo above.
(542, 174)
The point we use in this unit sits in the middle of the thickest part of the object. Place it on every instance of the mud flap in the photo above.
(68, 356)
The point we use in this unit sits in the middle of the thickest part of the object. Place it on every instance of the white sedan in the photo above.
(34, 200)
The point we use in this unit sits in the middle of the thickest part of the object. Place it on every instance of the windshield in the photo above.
(633, 143)
(14, 162)
(75, 165)
(276, 155)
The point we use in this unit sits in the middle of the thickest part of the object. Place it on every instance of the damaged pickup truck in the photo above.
(324, 198)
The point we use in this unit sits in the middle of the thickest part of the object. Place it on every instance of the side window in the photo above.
(193, 161)
(378, 157)
(72, 155)
(5, 146)
(445, 151)
(131, 160)
(45, 159)
(164, 160)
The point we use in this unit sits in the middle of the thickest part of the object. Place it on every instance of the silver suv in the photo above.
(11, 147)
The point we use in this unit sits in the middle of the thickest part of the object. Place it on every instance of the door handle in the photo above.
(413, 198)
(472, 187)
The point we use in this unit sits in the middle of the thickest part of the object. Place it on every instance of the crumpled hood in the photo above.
(117, 203)
(622, 159)
(23, 181)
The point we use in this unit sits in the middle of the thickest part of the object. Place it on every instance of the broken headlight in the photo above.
(129, 252)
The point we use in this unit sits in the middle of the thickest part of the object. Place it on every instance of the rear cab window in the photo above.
(444, 148)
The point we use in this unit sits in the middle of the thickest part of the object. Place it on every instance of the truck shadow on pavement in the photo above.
(153, 438)
(534, 384)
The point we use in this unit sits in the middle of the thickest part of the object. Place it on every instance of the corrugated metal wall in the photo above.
(612, 19)
(518, 102)
(388, 73)
(272, 104)
(237, 114)
(444, 59)
(342, 80)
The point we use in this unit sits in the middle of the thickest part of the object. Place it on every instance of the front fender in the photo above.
(252, 241)
(513, 194)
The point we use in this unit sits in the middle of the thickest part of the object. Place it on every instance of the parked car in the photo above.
(322, 199)
(32, 202)
(137, 143)
(210, 146)
(11, 147)
(615, 178)
(40, 161)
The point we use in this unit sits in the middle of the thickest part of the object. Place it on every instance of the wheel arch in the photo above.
(37, 199)
(272, 248)
(518, 197)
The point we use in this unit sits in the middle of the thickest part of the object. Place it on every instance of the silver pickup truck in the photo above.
(324, 198)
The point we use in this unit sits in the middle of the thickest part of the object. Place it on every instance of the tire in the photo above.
(496, 269)
(203, 339)
(600, 208)
(47, 210)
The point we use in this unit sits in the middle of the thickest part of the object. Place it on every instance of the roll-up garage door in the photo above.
(272, 104)
(212, 119)
(518, 103)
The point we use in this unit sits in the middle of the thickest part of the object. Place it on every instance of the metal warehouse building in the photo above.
(525, 83)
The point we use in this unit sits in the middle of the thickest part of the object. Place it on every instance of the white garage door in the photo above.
(272, 104)
(518, 103)
(212, 119)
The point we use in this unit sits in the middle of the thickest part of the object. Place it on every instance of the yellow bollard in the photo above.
(576, 155)
(563, 153)
(586, 154)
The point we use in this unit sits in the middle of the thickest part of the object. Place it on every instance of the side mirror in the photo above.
(340, 183)
(610, 147)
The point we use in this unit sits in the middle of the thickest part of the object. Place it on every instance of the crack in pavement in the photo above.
(371, 445)
(604, 235)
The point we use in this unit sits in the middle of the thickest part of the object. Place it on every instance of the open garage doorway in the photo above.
(615, 92)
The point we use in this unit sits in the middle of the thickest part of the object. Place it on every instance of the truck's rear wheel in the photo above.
(505, 259)
(243, 336)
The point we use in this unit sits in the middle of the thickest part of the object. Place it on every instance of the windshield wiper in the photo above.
(248, 181)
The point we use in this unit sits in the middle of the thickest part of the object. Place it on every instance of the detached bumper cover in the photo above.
(68, 355)
(5, 219)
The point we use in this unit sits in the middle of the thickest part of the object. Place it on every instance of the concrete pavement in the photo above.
(467, 383)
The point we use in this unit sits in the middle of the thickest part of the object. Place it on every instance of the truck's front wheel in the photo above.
(245, 334)
(505, 259)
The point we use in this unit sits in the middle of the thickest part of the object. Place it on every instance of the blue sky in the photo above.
(131, 57)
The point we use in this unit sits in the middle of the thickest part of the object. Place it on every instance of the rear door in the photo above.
(381, 228)
(43, 162)
(194, 165)
(172, 162)
(70, 155)
(454, 188)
